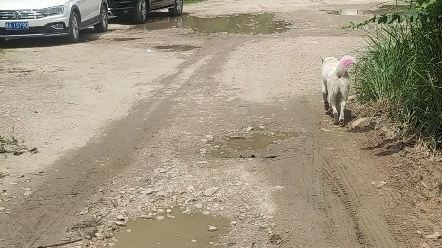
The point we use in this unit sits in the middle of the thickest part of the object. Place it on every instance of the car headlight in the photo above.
(56, 10)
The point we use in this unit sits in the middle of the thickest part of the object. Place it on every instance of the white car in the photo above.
(51, 18)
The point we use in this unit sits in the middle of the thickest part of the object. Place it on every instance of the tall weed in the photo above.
(401, 67)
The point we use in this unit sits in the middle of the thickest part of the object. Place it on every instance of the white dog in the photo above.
(336, 85)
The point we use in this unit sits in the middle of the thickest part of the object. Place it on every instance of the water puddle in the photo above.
(181, 48)
(124, 39)
(345, 12)
(378, 10)
(234, 24)
(248, 145)
(175, 230)
(96, 38)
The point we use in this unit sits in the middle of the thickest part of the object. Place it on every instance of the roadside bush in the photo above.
(401, 69)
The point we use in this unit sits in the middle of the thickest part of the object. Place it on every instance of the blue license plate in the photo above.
(17, 26)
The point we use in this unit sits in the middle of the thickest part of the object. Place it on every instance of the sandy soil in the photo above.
(123, 132)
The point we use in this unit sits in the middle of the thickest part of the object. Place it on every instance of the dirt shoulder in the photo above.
(411, 179)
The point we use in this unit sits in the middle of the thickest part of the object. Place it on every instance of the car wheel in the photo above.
(177, 10)
(140, 14)
(101, 27)
(74, 28)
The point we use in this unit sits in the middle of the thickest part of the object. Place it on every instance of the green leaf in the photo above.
(383, 19)
(427, 4)
(352, 25)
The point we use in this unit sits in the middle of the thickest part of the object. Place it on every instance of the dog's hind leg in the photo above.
(342, 116)
(335, 113)
(325, 97)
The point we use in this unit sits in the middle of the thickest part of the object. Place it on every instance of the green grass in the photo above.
(400, 72)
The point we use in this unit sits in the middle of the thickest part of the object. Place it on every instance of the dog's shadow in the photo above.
(348, 116)
(390, 146)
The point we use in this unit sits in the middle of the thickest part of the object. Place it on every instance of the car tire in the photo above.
(177, 10)
(140, 14)
(74, 28)
(102, 26)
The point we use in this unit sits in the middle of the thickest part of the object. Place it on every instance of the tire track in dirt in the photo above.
(398, 230)
(333, 176)
(340, 171)
(340, 189)
(401, 194)
(404, 230)
(319, 218)
(317, 194)
(425, 230)
(46, 213)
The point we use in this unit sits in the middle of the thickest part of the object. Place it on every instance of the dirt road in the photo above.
(227, 124)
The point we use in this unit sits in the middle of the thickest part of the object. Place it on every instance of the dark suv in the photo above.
(138, 9)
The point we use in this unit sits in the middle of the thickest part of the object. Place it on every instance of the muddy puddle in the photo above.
(180, 48)
(248, 146)
(96, 38)
(177, 229)
(378, 10)
(234, 24)
(124, 39)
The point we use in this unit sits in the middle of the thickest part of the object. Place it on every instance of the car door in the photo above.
(96, 8)
(88, 10)
(168, 2)
(156, 3)
(84, 9)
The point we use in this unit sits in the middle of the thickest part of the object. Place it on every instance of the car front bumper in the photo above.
(44, 27)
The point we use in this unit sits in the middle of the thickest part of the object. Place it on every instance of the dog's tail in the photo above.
(344, 62)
